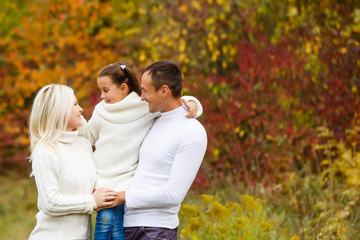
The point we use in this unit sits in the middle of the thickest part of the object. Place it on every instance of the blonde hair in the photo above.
(50, 114)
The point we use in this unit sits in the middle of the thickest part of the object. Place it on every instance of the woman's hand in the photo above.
(191, 106)
(120, 199)
(104, 197)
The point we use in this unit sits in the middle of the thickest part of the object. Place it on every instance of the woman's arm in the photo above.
(46, 169)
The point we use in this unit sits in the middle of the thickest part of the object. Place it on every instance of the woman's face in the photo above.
(75, 117)
(110, 92)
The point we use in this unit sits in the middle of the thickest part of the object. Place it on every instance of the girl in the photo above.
(63, 167)
(117, 128)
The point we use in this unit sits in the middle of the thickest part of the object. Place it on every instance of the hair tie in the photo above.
(123, 66)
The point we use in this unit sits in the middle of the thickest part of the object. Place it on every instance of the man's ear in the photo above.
(165, 91)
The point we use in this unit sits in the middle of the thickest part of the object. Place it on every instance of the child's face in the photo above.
(110, 92)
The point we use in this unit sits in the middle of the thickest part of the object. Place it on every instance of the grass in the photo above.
(18, 198)
(302, 208)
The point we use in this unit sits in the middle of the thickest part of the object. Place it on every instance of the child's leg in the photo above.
(118, 231)
(104, 224)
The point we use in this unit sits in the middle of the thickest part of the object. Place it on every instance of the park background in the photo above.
(279, 81)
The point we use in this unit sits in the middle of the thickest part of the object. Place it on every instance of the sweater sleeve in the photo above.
(197, 102)
(183, 172)
(46, 169)
(88, 129)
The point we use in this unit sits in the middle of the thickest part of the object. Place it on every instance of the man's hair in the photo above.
(166, 73)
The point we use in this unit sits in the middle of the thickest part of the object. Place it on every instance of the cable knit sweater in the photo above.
(65, 178)
(117, 131)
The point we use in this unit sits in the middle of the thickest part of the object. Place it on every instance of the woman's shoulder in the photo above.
(85, 143)
(44, 152)
(44, 148)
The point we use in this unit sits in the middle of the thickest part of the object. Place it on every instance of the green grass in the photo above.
(301, 208)
(18, 198)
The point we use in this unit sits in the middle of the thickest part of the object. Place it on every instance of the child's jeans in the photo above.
(109, 224)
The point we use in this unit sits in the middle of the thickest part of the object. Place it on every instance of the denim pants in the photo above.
(109, 224)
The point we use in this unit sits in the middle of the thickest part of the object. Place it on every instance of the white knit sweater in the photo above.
(117, 131)
(65, 179)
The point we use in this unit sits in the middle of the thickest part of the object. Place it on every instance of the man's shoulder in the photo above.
(191, 125)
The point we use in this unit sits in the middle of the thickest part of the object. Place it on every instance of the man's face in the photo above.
(149, 94)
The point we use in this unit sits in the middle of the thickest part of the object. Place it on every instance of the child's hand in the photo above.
(192, 108)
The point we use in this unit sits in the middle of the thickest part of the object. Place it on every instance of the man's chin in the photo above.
(152, 110)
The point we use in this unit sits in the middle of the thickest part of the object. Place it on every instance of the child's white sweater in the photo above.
(117, 131)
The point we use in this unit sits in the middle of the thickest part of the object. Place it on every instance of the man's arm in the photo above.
(183, 172)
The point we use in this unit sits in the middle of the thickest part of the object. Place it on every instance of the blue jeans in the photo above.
(109, 224)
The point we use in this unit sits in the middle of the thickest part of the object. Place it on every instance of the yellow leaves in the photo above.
(196, 4)
(250, 203)
(209, 21)
(193, 226)
(210, 44)
(189, 210)
(182, 46)
(131, 31)
(295, 237)
(207, 198)
(343, 50)
(142, 57)
(183, 8)
(240, 223)
(219, 211)
(354, 89)
(269, 137)
(216, 152)
(215, 55)
(292, 11)
(227, 221)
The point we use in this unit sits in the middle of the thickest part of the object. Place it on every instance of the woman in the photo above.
(63, 167)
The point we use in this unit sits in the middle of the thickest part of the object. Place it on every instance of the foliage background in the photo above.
(279, 82)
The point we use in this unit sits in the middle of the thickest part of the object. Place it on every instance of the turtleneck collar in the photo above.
(178, 112)
(68, 137)
(129, 109)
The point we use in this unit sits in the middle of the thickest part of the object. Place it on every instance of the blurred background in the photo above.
(279, 81)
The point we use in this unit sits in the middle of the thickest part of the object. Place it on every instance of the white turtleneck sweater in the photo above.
(170, 157)
(65, 178)
(117, 131)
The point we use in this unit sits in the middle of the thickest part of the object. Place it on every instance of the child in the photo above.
(63, 167)
(117, 128)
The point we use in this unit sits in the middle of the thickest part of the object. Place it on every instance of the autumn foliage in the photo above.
(266, 73)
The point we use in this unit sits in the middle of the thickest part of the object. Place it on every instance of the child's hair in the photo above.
(50, 114)
(120, 73)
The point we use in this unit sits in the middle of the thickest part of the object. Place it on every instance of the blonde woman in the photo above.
(63, 167)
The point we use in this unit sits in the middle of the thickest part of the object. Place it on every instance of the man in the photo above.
(170, 157)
